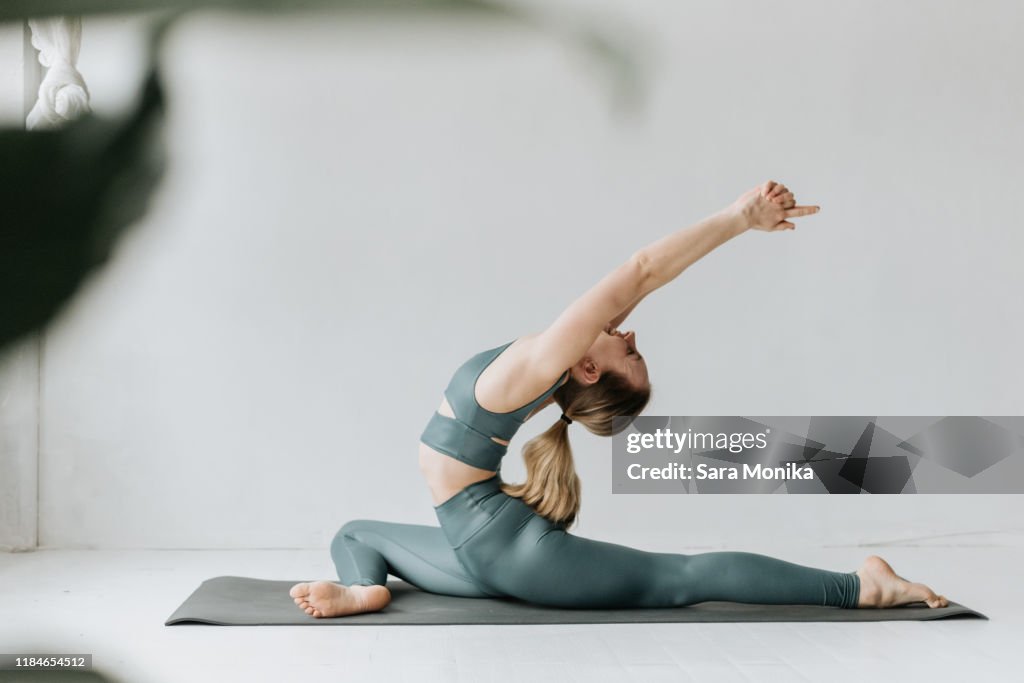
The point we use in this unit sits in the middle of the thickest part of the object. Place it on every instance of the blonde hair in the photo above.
(552, 487)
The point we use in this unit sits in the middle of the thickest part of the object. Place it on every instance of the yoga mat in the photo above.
(242, 601)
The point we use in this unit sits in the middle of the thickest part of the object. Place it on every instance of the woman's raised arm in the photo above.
(767, 207)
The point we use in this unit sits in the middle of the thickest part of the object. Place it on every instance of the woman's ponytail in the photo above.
(552, 487)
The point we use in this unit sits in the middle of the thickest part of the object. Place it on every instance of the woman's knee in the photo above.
(670, 582)
(350, 530)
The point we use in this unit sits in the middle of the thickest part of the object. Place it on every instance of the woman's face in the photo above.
(616, 350)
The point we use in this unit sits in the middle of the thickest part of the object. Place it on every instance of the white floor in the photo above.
(112, 604)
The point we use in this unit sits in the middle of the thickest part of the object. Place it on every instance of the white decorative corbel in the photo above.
(62, 94)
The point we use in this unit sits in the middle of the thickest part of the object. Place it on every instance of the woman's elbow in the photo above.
(643, 273)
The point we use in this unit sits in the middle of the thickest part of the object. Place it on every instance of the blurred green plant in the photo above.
(68, 195)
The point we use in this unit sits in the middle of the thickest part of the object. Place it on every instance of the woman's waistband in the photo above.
(476, 493)
(485, 486)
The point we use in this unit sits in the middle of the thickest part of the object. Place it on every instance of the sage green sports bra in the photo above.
(467, 436)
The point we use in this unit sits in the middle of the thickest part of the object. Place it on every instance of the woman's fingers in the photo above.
(774, 206)
(797, 211)
(786, 200)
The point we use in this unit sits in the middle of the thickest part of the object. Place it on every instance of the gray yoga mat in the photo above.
(242, 601)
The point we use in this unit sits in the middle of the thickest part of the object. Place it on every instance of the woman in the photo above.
(502, 540)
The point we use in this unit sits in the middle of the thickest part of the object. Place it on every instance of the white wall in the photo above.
(355, 207)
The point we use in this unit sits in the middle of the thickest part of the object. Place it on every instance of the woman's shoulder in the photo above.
(513, 378)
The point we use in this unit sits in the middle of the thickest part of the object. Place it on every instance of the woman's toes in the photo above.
(299, 590)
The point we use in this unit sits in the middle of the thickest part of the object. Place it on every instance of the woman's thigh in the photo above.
(523, 555)
(415, 553)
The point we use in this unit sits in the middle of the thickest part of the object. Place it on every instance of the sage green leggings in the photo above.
(490, 544)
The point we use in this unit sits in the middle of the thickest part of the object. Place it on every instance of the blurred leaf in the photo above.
(19, 9)
(66, 195)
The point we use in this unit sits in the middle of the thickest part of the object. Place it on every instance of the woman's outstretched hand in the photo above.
(769, 207)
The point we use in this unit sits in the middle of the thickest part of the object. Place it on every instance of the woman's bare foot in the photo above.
(881, 587)
(326, 599)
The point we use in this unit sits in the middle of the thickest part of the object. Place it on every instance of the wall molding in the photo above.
(42, 99)
(62, 94)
